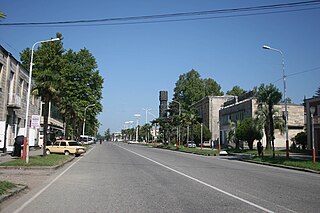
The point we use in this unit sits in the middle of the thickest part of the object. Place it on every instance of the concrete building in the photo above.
(245, 106)
(315, 103)
(208, 110)
(14, 80)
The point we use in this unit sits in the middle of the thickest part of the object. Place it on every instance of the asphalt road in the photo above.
(118, 177)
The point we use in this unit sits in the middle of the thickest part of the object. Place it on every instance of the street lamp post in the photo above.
(25, 141)
(201, 135)
(84, 119)
(284, 95)
(147, 110)
(130, 136)
(137, 128)
(179, 118)
(312, 111)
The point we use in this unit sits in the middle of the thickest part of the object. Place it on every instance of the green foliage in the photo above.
(232, 134)
(47, 68)
(48, 160)
(5, 186)
(107, 135)
(267, 97)
(2, 15)
(317, 94)
(81, 85)
(247, 130)
(128, 133)
(307, 164)
(236, 91)
(71, 80)
(300, 139)
(144, 132)
(212, 88)
(196, 133)
(190, 88)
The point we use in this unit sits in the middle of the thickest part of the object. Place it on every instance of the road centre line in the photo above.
(199, 181)
(47, 186)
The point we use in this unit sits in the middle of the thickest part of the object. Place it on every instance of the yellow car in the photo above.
(66, 147)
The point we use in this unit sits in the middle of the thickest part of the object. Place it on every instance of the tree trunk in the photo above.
(250, 144)
(267, 133)
(45, 123)
(271, 129)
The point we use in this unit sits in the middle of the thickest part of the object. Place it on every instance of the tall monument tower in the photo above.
(163, 98)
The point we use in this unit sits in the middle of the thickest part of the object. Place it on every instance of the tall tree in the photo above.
(81, 85)
(212, 88)
(107, 135)
(191, 88)
(236, 91)
(269, 95)
(47, 68)
(188, 119)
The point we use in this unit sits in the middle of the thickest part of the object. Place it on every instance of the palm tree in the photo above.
(187, 119)
(269, 96)
(232, 133)
(318, 92)
(2, 15)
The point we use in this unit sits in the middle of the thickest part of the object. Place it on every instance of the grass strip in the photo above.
(48, 160)
(5, 186)
(306, 164)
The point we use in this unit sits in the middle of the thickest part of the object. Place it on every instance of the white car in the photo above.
(191, 144)
(133, 142)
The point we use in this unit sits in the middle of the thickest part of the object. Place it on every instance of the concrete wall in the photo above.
(208, 109)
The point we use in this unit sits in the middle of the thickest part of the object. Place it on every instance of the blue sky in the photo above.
(139, 60)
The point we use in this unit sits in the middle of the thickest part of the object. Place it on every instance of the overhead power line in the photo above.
(184, 16)
(298, 73)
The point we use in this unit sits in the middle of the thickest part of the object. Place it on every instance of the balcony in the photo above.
(14, 101)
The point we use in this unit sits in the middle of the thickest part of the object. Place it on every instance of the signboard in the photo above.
(35, 121)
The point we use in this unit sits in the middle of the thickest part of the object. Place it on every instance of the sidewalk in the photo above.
(5, 157)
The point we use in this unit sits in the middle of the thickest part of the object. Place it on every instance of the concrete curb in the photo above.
(13, 191)
(18, 187)
(246, 158)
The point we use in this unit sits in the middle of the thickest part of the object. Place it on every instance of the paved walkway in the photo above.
(5, 157)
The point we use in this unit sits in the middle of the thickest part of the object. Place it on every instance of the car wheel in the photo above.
(77, 155)
(48, 152)
(66, 153)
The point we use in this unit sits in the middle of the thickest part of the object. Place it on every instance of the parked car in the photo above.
(66, 147)
(191, 144)
(133, 142)
(206, 144)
